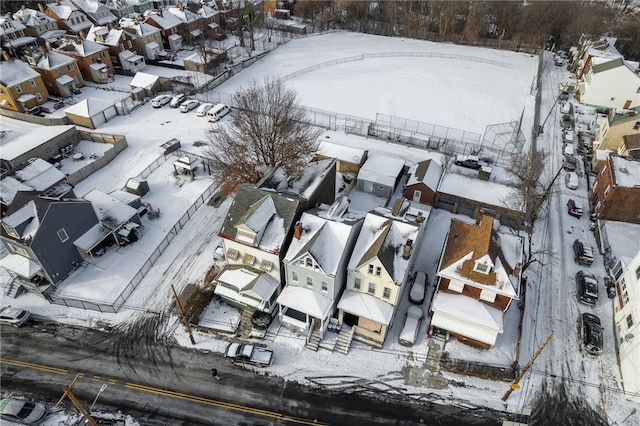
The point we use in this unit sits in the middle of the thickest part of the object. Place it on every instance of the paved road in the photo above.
(160, 384)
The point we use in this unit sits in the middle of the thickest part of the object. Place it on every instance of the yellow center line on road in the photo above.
(222, 404)
(33, 366)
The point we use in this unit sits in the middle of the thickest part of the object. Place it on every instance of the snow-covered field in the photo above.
(469, 89)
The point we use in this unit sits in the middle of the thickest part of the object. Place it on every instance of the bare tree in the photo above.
(268, 129)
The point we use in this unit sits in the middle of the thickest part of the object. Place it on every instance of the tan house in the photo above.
(378, 271)
(120, 44)
(618, 123)
(630, 146)
(93, 59)
(68, 16)
(478, 278)
(147, 39)
(21, 88)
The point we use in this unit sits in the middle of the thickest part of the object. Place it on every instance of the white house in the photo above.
(627, 318)
(610, 83)
(316, 268)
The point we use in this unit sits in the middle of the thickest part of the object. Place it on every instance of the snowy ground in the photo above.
(434, 87)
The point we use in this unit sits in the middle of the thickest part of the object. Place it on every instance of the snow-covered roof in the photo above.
(39, 175)
(15, 71)
(626, 171)
(325, 240)
(467, 316)
(98, 12)
(9, 25)
(384, 238)
(79, 46)
(105, 36)
(249, 282)
(141, 29)
(488, 192)
(10, 187)
(305, 185)
(31, 140)
(62, 8)
(428, 172)
(93, 236)
(305, 300)
(381, 169)
(341, 152)
(32, 17)
(124, 196)
(89, 107)
(111, 212)
(469, 243)
(183, 14)
(27, 214)
(52, 60)
(367, 306)
(165, 19)
(21, 265)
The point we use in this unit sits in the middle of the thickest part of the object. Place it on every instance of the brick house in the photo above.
(120, 44)
(21, 88)
(13, 37)
(68, 16)
(191, 27)
(93, 59)
(146, 38)
(97, 12)
(615, 194)
(60, 73)
(170, 28)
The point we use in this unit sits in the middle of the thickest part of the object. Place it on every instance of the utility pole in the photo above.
(184, 316)
(76, 402)
(515, 384)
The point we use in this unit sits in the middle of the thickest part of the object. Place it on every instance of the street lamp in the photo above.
(102, 389)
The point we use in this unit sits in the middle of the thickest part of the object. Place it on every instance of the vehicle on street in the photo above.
(14, 316)
(582, 252)
(567, 135)
(569, 163)
(565, 108)
(418, 288)
(574, 208)
(189, 105)
(160, 101)
(177, 100)
(564, 95)
(22, 411)
(558, 60)
(591, 332)
(566, 121)
(217, 112)
(249, 354)
(203, 109)
(587, 287)
(571, 180)
(469, 161)
(412, 321)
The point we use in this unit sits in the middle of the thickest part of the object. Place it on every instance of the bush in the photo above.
(261, 320)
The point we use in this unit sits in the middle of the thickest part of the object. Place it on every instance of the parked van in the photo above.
(217, 112)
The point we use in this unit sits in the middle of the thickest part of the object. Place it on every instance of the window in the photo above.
(233, 254)
(10, 230)
(606, 191)
(129, 44)
(604, 168)
(636, 126)
(309, 281)
(62, 234)
(18, 250)
(325, 286)
(638, 272)
(39, 97)
(456, 286)
(121, 47)
(32, 83)
(309, 262)
(372, 288)
(266, 265)
(629, 321)
(378, 270)
(248, 259)
(70, 67)
(386, 293)
(488, 295)
(294, 276)
(481, 267)
(18, 88)
(623, 285)
(356, 283)
(371, 269)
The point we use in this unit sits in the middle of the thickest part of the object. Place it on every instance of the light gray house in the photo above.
(316, 268)
(39, 232)
(380, 175)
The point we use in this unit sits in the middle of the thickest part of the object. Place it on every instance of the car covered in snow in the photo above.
(177, 100)
(574, 208)
(571, 180)
(203, 109)
(418, 288)
(160, 101)
(587, 288)
(582, 252)
(14, 316)
(189, 105)
(248, 354)
(565, 108)
(412, 321)
(591, 334)
(22, 411)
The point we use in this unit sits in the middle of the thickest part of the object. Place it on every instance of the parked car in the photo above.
(591, 331)
(203, 109)
(566, 121)
(564, 95)
(188, 105)
(582, 252)
(22, 411)
(571, 180)
(567, 136)
(160, 101)
(468, 161)
(177, 100)
(587, 287)
(249, 354)
(418, 288)
(569, 163)
(574, 208)
(14, 316)
(565, 108)
(217, 112)
(412, 321)
(558, 60)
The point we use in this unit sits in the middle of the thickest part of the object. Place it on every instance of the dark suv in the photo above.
(582, 253)
(587, 286)
(469, 161)
(591, 331)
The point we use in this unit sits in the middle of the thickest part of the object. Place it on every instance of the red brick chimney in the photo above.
(297, 230)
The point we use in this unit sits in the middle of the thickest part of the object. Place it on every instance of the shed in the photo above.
(91, 112)
(148, 82)
(170, 146)
(137, 186)
(380, 175)
(349, 160)
(423, 182)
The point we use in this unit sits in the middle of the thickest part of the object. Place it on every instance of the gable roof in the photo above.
(89, 107)
(15, 71)
(52, 60)
(605, 66)
(384, 237)
(428, 172)
(381, 169)
(468, 243)
(79, 46)
(165, 19)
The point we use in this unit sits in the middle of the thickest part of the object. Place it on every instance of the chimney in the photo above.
(419, 217)
(81, 35)
(5, 55)
(181, 7)
(297, 230)
(160, 10)
(406, 250)
(41, 7)
(58, 2)
(48, 46)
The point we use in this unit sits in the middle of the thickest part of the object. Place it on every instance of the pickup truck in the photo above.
(249, 354)
(469, 161)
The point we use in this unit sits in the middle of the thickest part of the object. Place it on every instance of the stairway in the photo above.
(314, 339)
(14, 289)
(345, 337)
(245, 326)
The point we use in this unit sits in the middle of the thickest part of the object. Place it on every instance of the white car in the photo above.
(571, 180)
(177, 100)
(160, 101)
(22, 411)
(565, 108)
(568, 136)
(14, 316)
(412, 321)
(418, 288)
(203, 109)
(187, 106)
